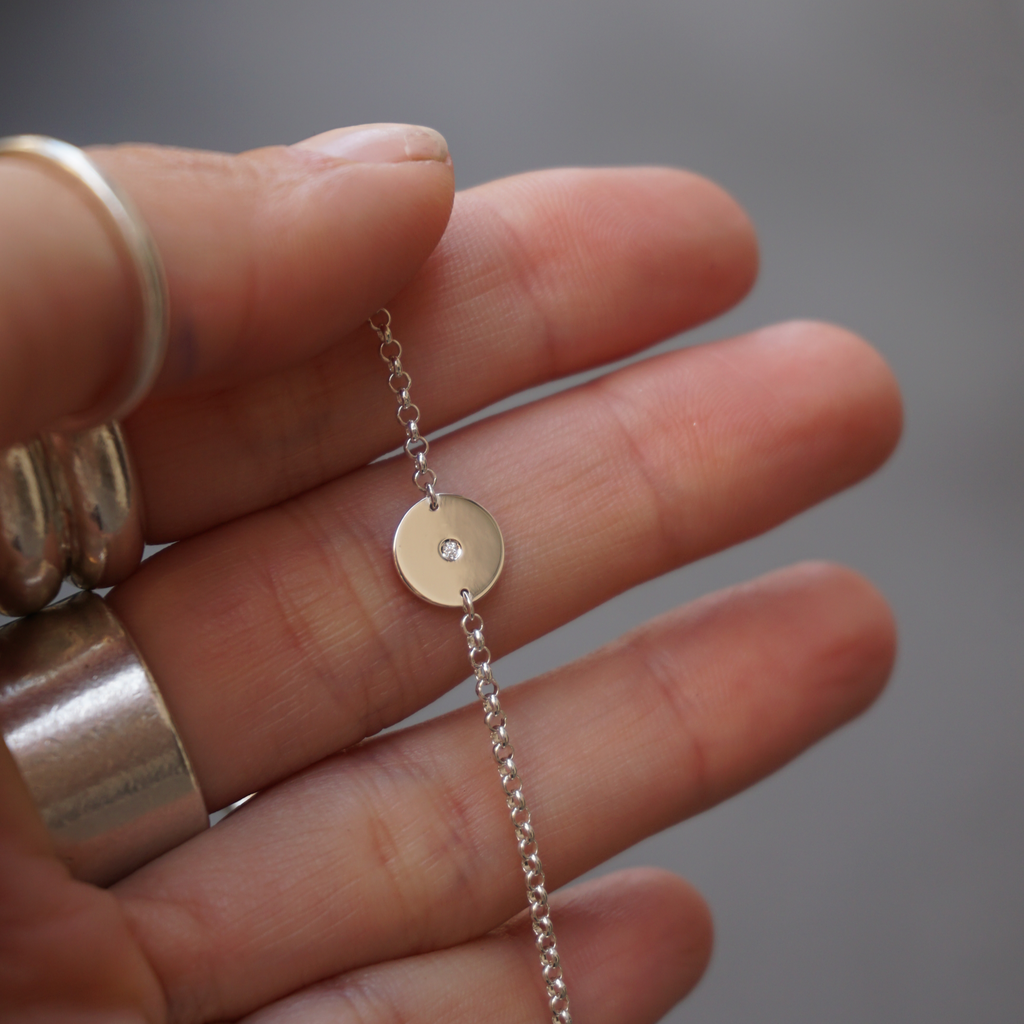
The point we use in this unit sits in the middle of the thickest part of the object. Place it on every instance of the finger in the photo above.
(302, 639)
(633, 944)
(361, 858)
(65, 949)
(270, 257)
(537, 276)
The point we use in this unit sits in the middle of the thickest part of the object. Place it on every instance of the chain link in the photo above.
(504, 754)
(408, 413)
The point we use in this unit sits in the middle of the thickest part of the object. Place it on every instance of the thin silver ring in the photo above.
(138, 244)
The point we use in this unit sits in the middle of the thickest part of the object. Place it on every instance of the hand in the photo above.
(374, 881)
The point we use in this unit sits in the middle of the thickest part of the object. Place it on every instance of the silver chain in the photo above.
(416, 447)
(408, 413)
(511, 782)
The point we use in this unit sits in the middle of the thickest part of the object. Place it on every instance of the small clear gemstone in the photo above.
(450, 549)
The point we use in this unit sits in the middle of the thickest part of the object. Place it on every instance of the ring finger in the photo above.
(361, 858)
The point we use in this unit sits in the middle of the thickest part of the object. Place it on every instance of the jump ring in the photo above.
(413, 412)
(471, 623)
(394, 361)
(399, 375)
(384, 326)
(417, 446)
(479, 656)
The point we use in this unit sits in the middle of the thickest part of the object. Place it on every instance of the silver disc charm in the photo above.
(441, 552)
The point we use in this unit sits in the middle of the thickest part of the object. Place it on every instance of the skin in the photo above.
(376, 880)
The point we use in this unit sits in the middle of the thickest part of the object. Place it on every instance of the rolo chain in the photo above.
(408, 413)
(501, 745)
(416, 447)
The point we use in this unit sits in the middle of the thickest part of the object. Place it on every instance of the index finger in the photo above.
(269, 255)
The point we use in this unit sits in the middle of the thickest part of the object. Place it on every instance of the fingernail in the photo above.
(380, 143)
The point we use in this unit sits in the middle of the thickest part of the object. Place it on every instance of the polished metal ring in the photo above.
(93, 474)
(138, 244)
(92, 738)
(34, 542)
(68, 505)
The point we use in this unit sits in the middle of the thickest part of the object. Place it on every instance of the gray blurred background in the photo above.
(879, 147)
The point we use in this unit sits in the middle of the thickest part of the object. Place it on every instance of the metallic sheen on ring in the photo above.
(137, 243)
(34, 542)
(68, 504)
(95, 482)
(92, 738)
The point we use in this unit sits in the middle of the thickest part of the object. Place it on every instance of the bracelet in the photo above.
(449, 551)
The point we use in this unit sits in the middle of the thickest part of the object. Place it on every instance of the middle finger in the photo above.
(282, 637)
(403, 845)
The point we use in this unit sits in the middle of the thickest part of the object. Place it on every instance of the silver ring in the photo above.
(95, 482)
(33, 531)
(68, 504)
(92, 738)
(138, 244)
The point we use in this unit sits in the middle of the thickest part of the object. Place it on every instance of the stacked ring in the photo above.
(67, 502)
(79, 710)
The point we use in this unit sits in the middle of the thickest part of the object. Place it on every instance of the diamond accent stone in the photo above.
(450, 550)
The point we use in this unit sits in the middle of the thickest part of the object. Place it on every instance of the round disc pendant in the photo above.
(441, 552)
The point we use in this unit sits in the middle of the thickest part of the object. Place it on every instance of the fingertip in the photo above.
(854, 629)
(706, 246)
(638, 930)
(867, 635)
(669, 246)
(838, 394)
(736, 243)
(678, 920)
(860, 365)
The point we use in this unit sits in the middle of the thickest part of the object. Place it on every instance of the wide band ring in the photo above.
(92, 738)
(133, 238)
